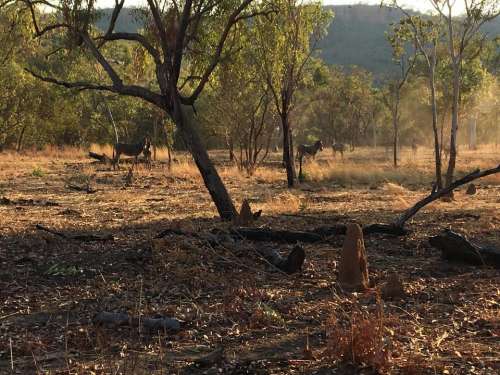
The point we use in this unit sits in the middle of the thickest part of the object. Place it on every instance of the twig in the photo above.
(11, 355)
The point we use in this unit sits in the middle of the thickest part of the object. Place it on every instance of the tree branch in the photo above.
(137, 38)
(114, 17)
(215, 59)
(179, 40)
(403, 218)
(136, 91)
(160, 27)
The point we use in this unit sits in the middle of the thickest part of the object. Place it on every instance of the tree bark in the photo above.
(182, 116)
(454, 124)
(437, 149)
(288, 150)
(396, 135)
(21, 138)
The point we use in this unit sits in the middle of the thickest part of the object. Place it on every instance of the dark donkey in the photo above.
(129, 149)
(311, 150)
(338, 147)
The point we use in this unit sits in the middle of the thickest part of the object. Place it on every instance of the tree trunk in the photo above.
(21, 138)
(111, 118)
(454, 123)
(230, 145)
(395, 140)
(155, 138)
(169, 151)
(437, 149)
(473, 132)
(182, 116)
(288, 150)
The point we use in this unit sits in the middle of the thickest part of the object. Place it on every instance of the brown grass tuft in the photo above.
(359, 339)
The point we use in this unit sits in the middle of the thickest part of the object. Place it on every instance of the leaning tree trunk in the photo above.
(288, 150)
(454, 124)
(437, 149)
(182, 116)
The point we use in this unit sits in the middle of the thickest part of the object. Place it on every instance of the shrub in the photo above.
(37, 172)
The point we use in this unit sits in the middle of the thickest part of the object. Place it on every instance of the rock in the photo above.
(353, 268)
(393, 288)
(471, 189)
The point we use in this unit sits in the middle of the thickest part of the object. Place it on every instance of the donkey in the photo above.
(311, 150)
(414, 146)
(129, 149)
(338, 147)
(147, 154)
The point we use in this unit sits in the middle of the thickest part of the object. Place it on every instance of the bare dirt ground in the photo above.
(225, 295)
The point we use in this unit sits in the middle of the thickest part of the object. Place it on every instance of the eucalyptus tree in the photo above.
(240, 108)
(425, 35)
(185, 42)
(462, 33)
(342, 109)
(405, 59)
(286, 40)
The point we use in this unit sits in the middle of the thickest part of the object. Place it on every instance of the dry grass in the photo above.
(225, 294)
(361, 338)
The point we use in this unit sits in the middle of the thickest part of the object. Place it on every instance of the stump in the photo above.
(393, 288)
(471, 190)
(353, 268)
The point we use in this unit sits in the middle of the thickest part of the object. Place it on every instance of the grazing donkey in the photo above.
(147, 154)
(338, 147)
(414, 147)
(128, 149)
(311, 150)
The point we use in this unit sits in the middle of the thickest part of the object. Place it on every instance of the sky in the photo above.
(420, 5)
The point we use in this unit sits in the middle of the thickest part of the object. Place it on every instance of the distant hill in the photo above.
(355, 37)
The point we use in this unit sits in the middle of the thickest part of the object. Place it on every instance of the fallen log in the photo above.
(103, 158)
(84, 237)
(315, 235)
(85, 188)
(27, 202)
(289, 264)
(457, 248)
(340, 229)
(113, 320)
(270, 235)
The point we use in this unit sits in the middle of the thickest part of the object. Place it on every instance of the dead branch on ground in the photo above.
(455, 247)
(84, 237)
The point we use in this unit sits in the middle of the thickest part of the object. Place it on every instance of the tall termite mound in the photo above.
(353, 268)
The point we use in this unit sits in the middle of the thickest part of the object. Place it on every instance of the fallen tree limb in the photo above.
(410, 212)
(113, 320)
(85, 188)
(455, 247)
(27, 202)
(312, 236)
(85, 237)
(103, 158)
(269, 235)
(289, 264)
